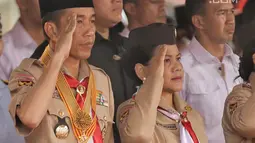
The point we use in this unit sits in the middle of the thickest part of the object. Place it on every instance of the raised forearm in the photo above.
(35, 104)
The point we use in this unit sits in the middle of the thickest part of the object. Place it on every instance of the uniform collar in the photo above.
(179, 103)
(203, 56)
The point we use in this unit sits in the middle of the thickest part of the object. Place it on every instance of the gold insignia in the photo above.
(25, 83)
(232, 108)
(187, 108)
(82, 120)
(62, 131)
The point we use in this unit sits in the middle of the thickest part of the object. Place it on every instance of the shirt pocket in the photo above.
(104, 119)
(58, 110)
(204, 97)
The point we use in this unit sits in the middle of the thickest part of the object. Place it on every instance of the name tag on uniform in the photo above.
(168, 126)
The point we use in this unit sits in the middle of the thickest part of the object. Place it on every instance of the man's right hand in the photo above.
(64, 41)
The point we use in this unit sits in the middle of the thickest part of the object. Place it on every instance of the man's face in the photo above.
(219, 21)
(108, 12)
(150, 11)
(84, 34)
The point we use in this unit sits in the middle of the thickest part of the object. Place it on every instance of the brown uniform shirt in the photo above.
(238, 120)
(22, 80)
(134, 113)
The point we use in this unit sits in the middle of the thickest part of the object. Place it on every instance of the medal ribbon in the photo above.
(75, 112)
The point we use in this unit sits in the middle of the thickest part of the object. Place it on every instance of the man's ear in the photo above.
(198, 21)
(51, 31)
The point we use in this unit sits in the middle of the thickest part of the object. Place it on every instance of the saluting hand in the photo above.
(64, 41)
(156, 69)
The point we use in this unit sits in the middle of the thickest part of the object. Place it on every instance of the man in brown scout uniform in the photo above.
(156, 113)
(60, 98)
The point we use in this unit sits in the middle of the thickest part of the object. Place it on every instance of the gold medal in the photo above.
(82, 120)
(62, 131)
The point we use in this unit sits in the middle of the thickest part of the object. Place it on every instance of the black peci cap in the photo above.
(153, 34)
(47, 6)
(141, 44)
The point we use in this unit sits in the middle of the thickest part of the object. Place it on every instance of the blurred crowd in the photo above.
(202, 49)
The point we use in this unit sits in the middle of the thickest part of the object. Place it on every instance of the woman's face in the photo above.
(173, 70)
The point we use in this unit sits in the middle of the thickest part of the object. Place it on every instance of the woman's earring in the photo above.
(144, 79)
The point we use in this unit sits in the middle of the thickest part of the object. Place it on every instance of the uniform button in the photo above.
(61, 113)
(105, 118)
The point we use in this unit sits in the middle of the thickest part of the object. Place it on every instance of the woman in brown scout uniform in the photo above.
(60, 98)
(238, 120)
(156, 113)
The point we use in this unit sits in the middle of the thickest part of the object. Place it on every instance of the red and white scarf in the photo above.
(187, 134)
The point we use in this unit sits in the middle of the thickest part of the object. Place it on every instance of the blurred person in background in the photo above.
(185, 31)
(209, 63)
(22, 40)
(7, 133)
(142, 13)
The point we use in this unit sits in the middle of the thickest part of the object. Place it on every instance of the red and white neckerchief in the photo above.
(187, 134)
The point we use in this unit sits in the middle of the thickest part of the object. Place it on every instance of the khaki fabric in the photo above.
(136, 113)
(239, 114)
(22, 81)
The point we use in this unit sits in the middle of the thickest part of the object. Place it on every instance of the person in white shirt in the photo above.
(211, 67)
(7, 132)
(22, 40)
(142, 13)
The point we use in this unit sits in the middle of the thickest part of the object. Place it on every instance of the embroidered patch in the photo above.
(100, 100)
(123, 116)
(25, 80)
(124, 112)
(232, 107)
(168, 126)
(56, 95)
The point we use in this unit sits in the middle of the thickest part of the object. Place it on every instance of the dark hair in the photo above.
(194, 7)
(246, 64)
(248, 12)
(51, 17)
(137, 54)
